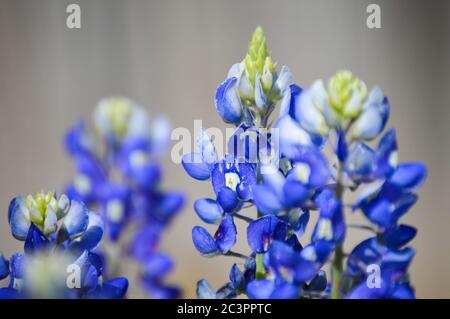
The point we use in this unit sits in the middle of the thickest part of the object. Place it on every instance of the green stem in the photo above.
(337, 266)
(336, 272)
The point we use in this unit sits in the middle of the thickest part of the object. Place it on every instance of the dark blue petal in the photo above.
(195, 166)
(225, 235)
(228, 104)
(35, 241)
(227, 198)
(341, 148)
(260, 289)
(204, 242)
(208, 210)
(319, 282)
(409, 176)
(266, 200)
(399, 236)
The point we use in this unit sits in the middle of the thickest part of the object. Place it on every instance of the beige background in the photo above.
(171, 55)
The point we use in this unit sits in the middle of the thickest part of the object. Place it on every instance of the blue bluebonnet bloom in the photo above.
(122, 180)
(58, 234)
(301, 180)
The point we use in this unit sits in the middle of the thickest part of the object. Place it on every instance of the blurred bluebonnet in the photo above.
(122, 178)
(304, 178)
(57, 234)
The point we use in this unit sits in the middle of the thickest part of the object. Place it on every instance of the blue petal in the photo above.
(204, 290)
(76, 141)
(379, 212)
(386, 154)
(228, 104)
(114, 288)
(90, 278)
(360, 163)
(295, 193)
(247, 175)
(260, 289)
(206, 147)
(158, 266)
(4, 267)
(260, 96)
(399, 236)
(319, 174)
(19, 218)
(373, 118)
(363, 291)
(170, 203)
(282, 259)
(158, 290)
(208, 210)
(266, 200)
(204, 242)
(9, 293)
(76, 220)
(195, 167)
(298, 219)
(147, 176)
(285, 291)
(35, 241)
(402, 291)
(237, 278)
(225, 235)
(261, 231)
(92, 236)
(290, 136)
(227, 199)
(409, 176)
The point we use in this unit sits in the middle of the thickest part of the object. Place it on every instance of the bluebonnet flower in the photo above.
(287, 174)
(57, 234)
(123, 182)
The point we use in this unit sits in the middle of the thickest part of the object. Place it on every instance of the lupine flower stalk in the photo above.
(283, 172)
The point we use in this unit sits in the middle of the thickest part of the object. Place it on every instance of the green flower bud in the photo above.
(258, 56)
(346, 94)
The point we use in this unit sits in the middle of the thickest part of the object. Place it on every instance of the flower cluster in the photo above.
(60, 236)
(317, 150)
(123, 182)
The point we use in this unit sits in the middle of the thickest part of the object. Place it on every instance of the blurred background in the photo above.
(170, 55)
